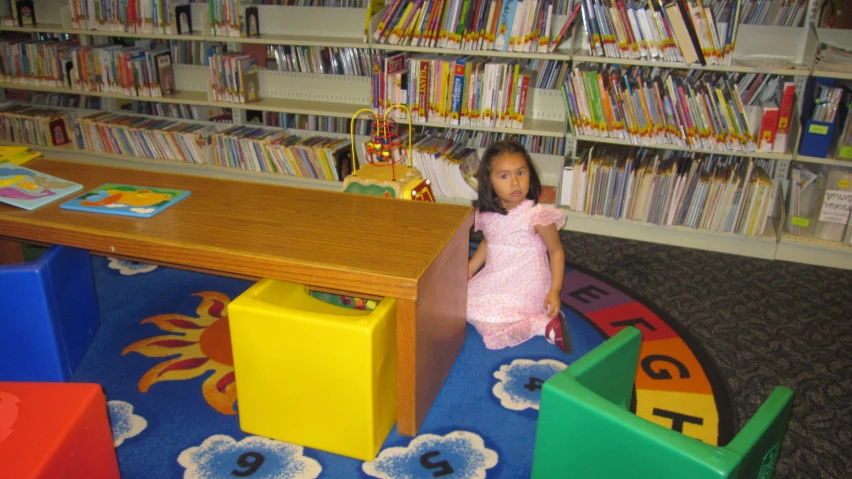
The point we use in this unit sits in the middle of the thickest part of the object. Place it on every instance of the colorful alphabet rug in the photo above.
(163, 357)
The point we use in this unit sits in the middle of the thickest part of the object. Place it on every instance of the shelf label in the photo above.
(818, 129)
(845, 152)
(836, 205)
(799, 221)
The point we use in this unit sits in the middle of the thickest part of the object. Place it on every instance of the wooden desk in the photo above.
(414, 252)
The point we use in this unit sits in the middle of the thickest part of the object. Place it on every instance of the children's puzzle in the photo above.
(126, 200)
(17, 154)
(29, 189)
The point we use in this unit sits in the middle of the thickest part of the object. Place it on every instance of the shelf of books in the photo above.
(55, 17)
(818, 224)
(765, 49)
(834, 58)
(290, 156)
(756, 247)
(817, 229)
(478, 34)
(318, 94)
(293, 25)
(720, 203)
(279, 25)
(68, 152)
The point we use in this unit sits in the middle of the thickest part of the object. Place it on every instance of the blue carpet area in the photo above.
(482, 423)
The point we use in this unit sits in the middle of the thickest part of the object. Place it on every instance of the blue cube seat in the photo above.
(48, 315)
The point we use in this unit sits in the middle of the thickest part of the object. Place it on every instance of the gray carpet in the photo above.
(764, 323)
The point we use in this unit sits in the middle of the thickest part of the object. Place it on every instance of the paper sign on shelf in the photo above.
(836, 205)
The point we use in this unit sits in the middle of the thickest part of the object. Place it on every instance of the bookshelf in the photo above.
(338, 27)
(837, 38)
(810, 249)
(759, 49)
(788, 51)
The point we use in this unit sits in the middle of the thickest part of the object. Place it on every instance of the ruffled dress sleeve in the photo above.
(545, 215)
(478, 221)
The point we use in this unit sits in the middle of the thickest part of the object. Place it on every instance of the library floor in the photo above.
(763, 323)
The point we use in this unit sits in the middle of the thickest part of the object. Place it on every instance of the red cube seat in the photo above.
(55, 431)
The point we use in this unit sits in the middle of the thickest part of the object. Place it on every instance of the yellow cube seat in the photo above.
(312, 373)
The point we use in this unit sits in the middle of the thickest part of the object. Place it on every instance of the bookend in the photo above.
(183, 13)
(388, 170)
(69, 66)
(26, 13)
(252, 22)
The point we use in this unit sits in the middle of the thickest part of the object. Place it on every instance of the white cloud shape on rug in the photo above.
(124, 423)
(256, 457)
(459, 454)
(129, 268)
(519, 383)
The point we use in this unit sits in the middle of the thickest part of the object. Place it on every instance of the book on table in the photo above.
(29, 189)
(126, 200)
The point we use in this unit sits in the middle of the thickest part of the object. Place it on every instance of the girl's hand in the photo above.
(552, 303)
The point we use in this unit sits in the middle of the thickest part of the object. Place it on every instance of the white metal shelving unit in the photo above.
(759, 49)
(813, 250)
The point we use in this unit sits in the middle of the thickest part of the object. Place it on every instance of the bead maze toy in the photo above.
(388, 170)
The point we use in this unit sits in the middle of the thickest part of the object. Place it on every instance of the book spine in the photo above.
(457, 92)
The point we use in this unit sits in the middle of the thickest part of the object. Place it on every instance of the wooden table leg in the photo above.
(11, 251)
(431, 332)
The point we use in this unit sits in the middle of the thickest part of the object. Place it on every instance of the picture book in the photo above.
(17, 154)
(29, 189)
(126, 200)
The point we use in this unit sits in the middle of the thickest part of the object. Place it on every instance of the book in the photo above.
(565, 185)
(165, 73)
(785, 97)
(18, 157)
(26, 13)
(126, 200)
(29, 189)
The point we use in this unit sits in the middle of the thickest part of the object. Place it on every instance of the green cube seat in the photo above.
(586, 430)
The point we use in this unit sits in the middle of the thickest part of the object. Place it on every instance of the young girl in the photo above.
(516, 295)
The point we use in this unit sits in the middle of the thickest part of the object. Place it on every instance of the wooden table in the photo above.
(414, 252)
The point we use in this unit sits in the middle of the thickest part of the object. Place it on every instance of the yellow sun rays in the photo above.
(201, 344)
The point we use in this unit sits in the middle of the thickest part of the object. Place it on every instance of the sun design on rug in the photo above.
(202, 344)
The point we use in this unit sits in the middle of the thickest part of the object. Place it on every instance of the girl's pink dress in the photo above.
(505, 300)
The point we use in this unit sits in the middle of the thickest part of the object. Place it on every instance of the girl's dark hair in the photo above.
(487, 201)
